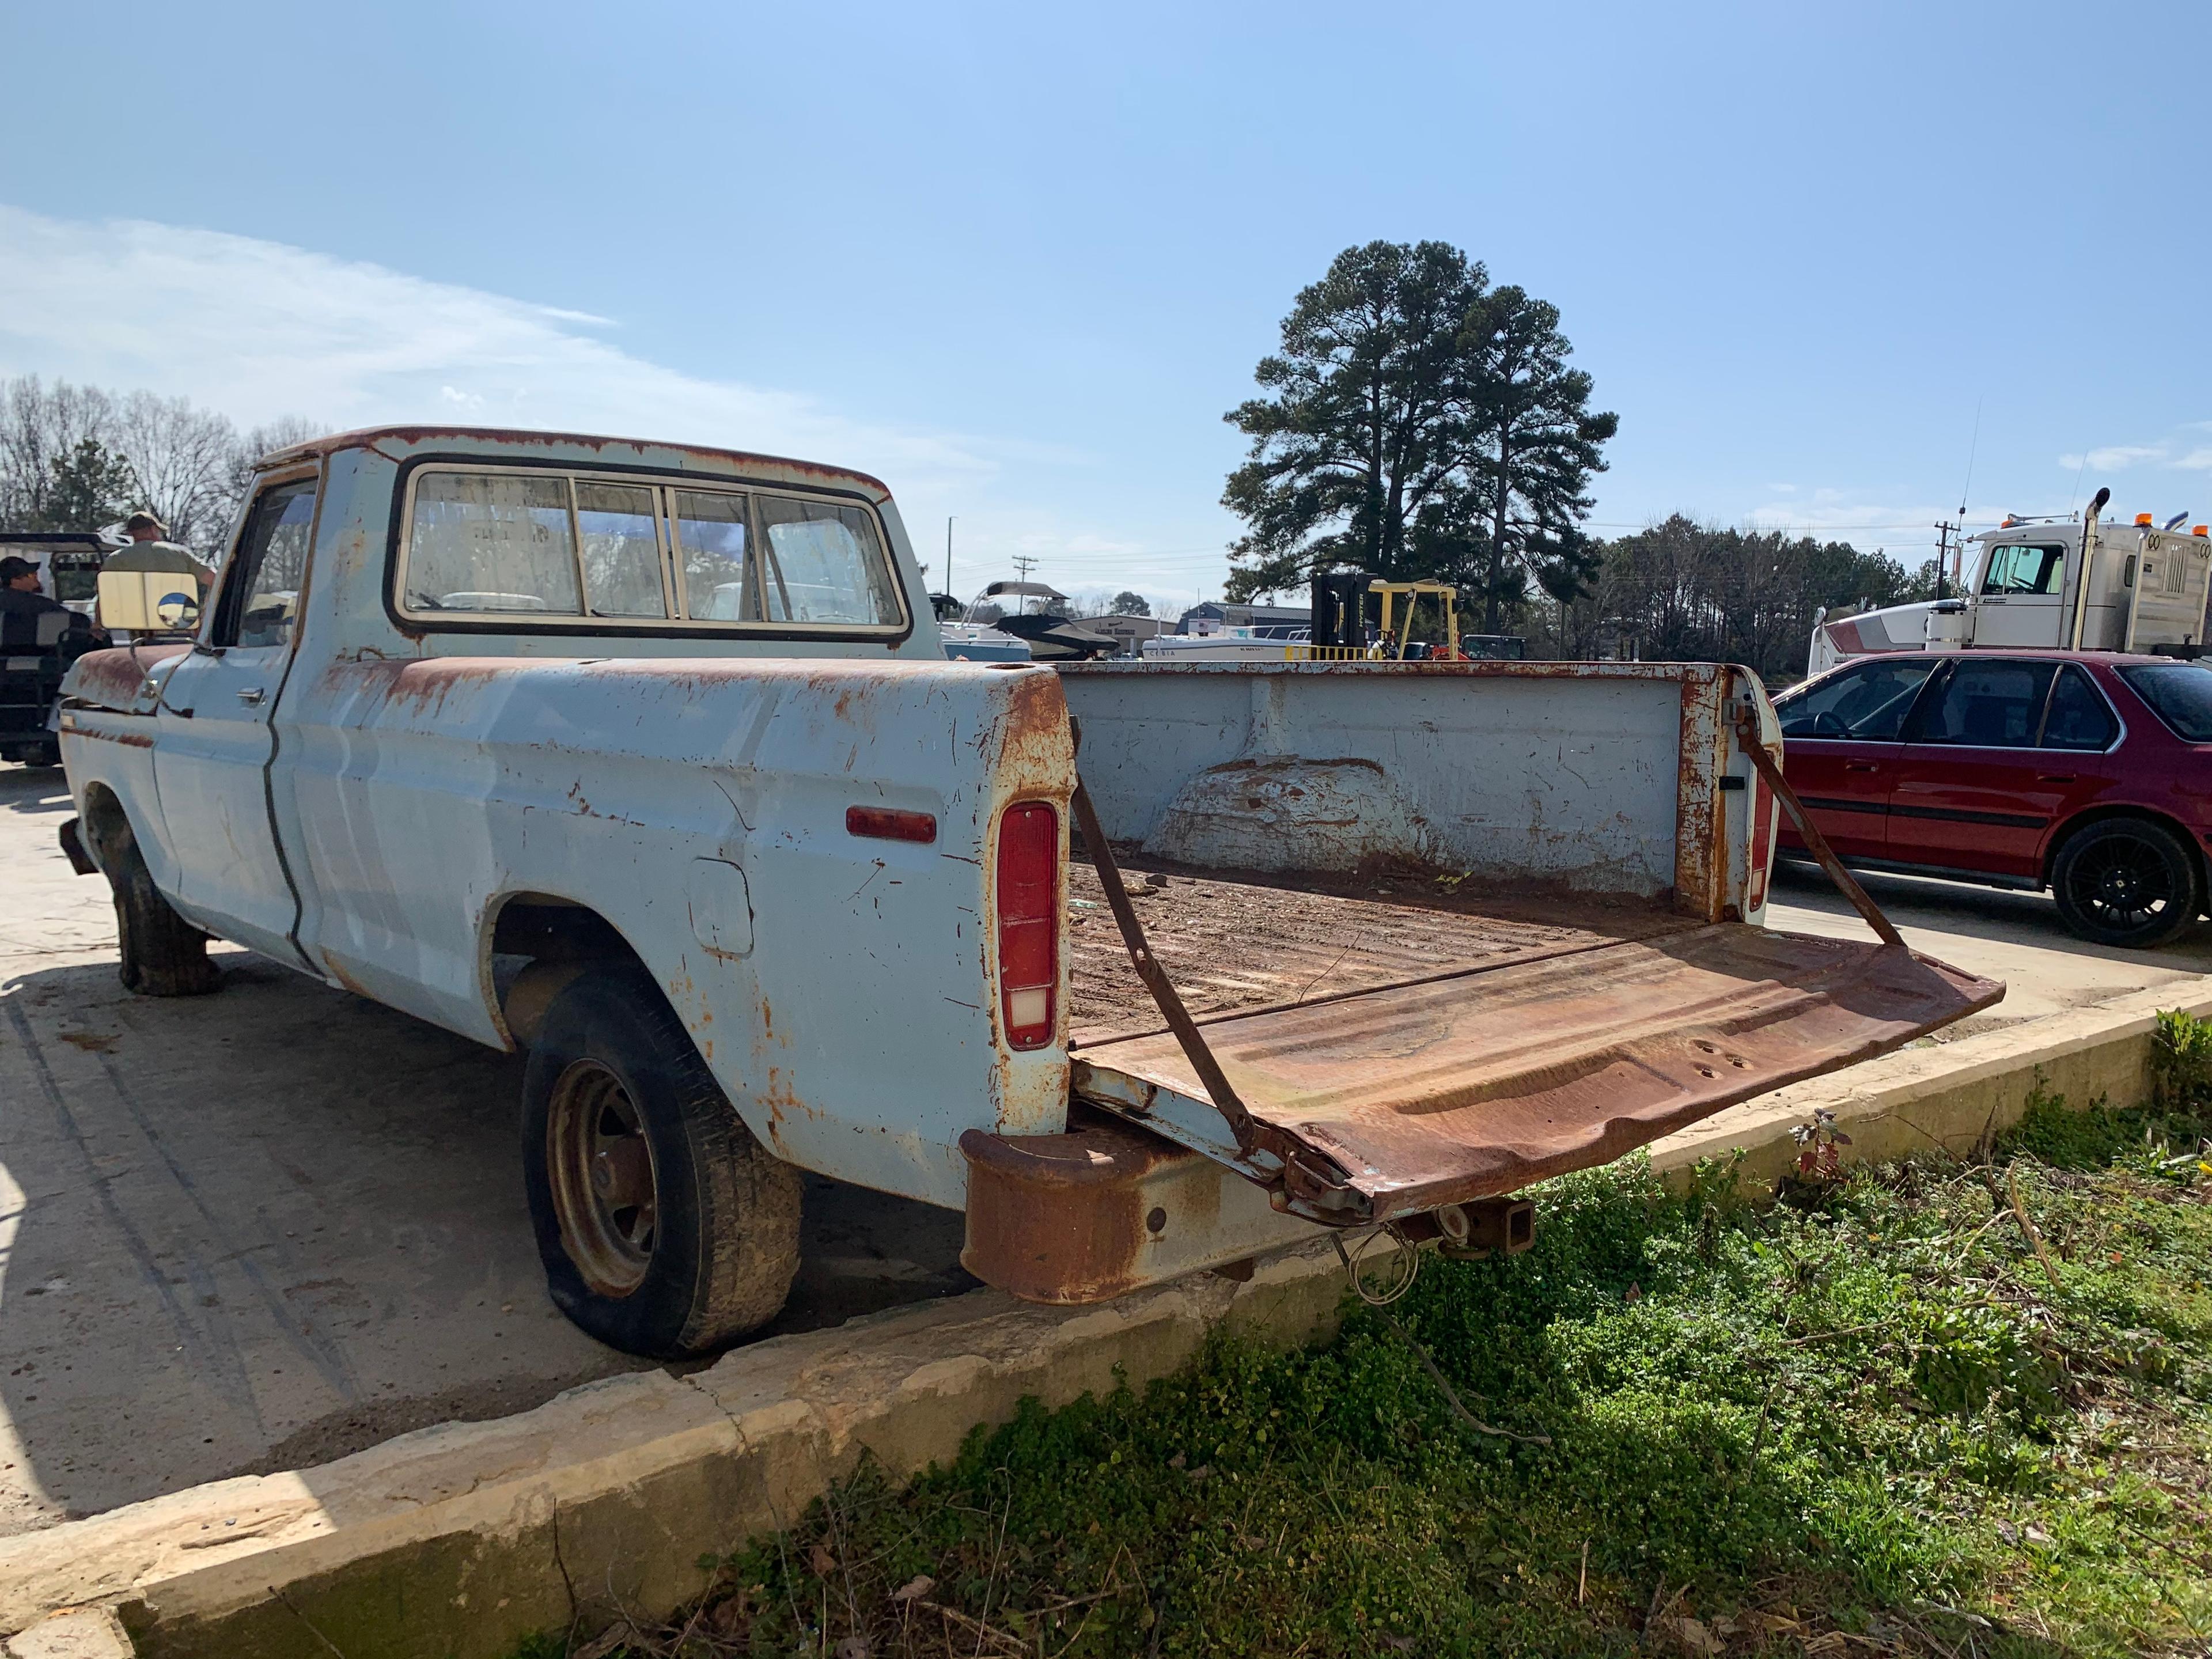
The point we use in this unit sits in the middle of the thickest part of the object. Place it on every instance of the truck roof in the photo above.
(579, 446)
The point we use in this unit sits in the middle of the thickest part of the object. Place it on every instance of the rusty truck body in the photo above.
(645, 759)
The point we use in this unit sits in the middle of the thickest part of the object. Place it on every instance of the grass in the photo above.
(1868, 1419)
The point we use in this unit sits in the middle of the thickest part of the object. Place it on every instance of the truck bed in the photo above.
(1233, 942)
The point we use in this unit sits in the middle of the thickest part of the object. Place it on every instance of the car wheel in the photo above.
(162, 954)
(665, 1229)
(2127, 882)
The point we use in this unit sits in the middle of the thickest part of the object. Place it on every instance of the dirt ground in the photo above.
(270, 1227)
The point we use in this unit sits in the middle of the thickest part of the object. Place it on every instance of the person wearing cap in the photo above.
(149, 549)
(22, 604)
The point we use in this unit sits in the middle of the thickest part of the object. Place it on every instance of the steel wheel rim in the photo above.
(605, 1188)
(2121, 883)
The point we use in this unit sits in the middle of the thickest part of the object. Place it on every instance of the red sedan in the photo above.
(2085, 772)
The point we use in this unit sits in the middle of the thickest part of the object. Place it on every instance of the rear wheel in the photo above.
(163, 955)
(2127, 882)
(664, 1227)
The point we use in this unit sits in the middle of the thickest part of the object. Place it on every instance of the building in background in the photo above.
(1129, 633)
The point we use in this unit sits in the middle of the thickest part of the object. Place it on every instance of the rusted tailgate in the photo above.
(1407, 1096)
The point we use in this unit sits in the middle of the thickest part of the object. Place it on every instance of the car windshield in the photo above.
(2180, 693)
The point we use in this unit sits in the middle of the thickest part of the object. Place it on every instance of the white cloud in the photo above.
(2197, 460)
(257, 329)
(2115, 457)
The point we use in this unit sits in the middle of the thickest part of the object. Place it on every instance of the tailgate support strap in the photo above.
(1747, 738)
(1187, 1033)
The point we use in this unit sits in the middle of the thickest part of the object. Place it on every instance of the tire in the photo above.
(2127, 882)
(163, 955)
(665, 1229)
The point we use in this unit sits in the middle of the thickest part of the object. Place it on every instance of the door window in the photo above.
(1989, 705)
(2024, 568)
(261, 596)
(2079, 718)
(1868, 702)
(2180, 693)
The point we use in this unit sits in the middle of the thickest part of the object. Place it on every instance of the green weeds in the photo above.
(1871, 1420)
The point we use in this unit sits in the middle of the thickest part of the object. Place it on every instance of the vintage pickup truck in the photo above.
(646, 759)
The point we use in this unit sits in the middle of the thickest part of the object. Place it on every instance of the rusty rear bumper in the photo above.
(1389, 1103)
(1107, 1208)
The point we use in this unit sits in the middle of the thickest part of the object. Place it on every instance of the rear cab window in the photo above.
(539, 550)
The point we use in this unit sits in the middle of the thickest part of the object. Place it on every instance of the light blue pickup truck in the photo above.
(646, 759)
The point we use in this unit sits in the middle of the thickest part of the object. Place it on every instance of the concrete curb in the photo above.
(462, 1539)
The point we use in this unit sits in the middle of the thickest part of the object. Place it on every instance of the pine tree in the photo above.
(89, 486)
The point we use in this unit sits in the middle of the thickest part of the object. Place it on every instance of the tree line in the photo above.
(81, 457)
(1419, 423)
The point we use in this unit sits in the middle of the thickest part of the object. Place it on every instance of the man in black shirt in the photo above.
(21, 605)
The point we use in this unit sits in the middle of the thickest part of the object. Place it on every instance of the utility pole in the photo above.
(948, 556)
(1943, 553)
(1023, 565)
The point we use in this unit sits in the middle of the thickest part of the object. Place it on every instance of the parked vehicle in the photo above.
(36, 652)
(2088, 773)
(646, 759)
(2021, 584)
(967, 641)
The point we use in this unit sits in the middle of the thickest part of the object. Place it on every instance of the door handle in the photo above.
(251, 694)
(1862, 766)
(2054, 777)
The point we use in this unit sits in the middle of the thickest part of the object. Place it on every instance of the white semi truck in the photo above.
(2021, 584)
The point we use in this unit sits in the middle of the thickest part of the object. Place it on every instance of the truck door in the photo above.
(211, 757)
(2021, 601)
(1841, 742)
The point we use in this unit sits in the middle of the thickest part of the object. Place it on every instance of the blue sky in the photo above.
(1019, 260)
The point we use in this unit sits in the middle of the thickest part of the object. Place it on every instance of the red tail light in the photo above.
(1028, 924)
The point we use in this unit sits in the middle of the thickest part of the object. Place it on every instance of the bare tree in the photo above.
(39, 426)
(182, 457)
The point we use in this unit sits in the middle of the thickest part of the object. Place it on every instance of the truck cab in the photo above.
(2021, 585)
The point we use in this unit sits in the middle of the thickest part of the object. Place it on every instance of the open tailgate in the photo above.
(1391, 1101)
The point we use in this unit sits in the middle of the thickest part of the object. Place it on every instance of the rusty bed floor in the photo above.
(1398, 1047)
(1236, 942)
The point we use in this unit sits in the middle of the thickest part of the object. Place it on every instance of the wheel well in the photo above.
(537, 943)
(2082, 821)
(103, 816)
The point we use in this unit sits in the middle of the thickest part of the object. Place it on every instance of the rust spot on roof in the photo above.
(639, 450)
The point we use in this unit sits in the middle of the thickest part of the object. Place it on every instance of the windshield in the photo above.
(2180, 693)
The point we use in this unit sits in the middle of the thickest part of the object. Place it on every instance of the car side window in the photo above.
(261, 597)
(2079, 718)
(1989, 705)
(1867, 701)
(2025, 569)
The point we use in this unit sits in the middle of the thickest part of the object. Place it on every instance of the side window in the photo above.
(2024, 569)
(1989, 705)
(710, 547)
(492, 541)
(619, 525)
(1868, 701)
(261, 595)
(821, 564)
(2079, 718)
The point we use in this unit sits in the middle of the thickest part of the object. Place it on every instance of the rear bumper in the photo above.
(1105, 1209)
